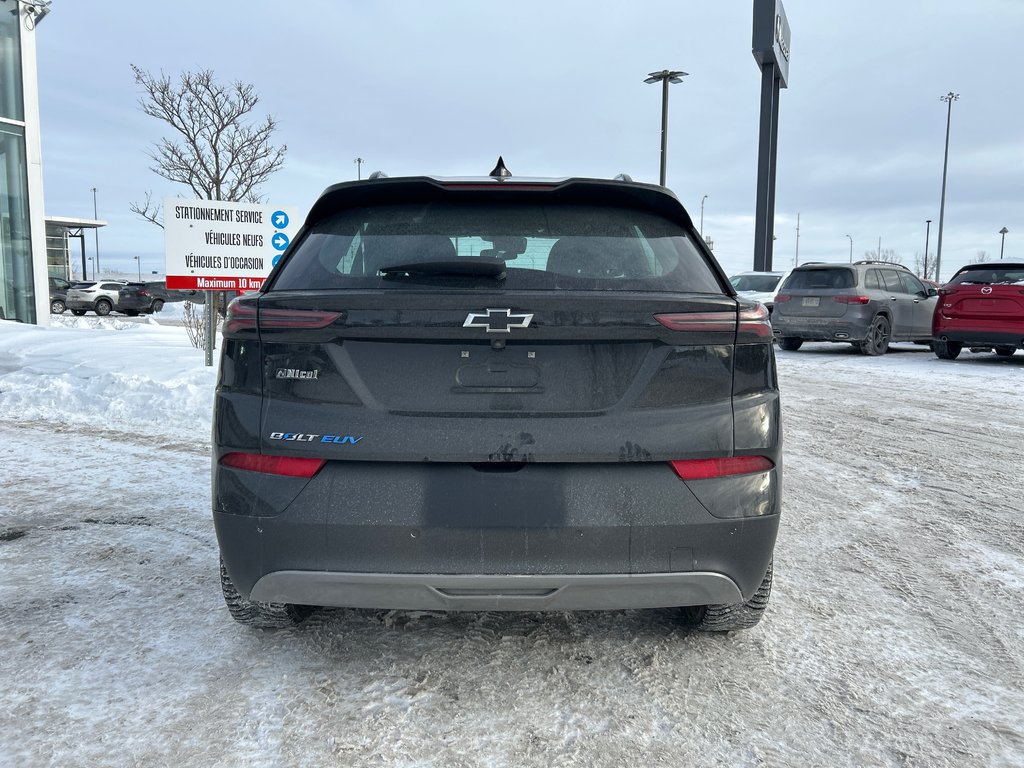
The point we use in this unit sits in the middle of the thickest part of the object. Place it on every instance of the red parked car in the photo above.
(981, 308)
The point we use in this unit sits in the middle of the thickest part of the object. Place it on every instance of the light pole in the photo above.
(851, 249)
(138, 261)
(359, 168)
(665, 76)
(927, 233)
(701, 214)
(1002, 243)
(96, 230)
(949, 98)
(796, 256)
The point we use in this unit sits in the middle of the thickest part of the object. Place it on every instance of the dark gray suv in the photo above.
(497, 394)
(867, 304)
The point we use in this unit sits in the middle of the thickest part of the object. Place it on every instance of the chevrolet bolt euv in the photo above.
(497, 394)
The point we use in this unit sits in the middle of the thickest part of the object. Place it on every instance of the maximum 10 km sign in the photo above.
(211, 245)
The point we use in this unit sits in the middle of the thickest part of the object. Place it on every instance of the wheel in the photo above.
(877, 341)
(57, 307)
(103, 307)
(1005, 350)
(157, 305)
(77, 312)
(256, 614)
(947, 350)
(790, 343)
(725, 618)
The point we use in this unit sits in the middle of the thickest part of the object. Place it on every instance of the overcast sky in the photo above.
(557, 88)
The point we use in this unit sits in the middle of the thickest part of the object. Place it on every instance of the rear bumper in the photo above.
(557, 537)
(496, 593)
(818, 329)
(982, 338)
(79, 304)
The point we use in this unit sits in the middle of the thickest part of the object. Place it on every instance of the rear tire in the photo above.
(947, 350)
(57, 307)
(157, 306)
(729, 617)
(1005, 351)
(790, 343)
(256, 614)
(103, 307)
(877, 341)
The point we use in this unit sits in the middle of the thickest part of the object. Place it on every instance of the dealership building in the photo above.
(27, 237)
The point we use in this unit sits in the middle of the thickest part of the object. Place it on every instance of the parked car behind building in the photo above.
(58, 294)
(106, 296)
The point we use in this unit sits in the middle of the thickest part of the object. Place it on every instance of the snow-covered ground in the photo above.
(893, 637)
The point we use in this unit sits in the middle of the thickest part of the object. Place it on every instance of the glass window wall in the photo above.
(16, 291)
(12, 105)
(16, 294)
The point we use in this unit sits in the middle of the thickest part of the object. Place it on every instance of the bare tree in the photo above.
(219, 151)
(980, 257)
(923, 266)
(887, 254)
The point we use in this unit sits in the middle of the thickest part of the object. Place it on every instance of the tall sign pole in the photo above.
(771, 48)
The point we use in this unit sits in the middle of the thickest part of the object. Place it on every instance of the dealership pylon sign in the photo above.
(211, 245)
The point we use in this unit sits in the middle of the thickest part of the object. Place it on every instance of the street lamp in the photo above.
(138, 261)
(1002, 243)
(701, 214)
(86, 277)
(927, 232)
(949, 98)
(665, 76)
(851, 249)
(359, 168)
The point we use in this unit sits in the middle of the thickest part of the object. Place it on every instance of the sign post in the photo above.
(771, 41)
(215, 246)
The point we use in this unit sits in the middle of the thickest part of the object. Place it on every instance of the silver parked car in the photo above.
(759, 286)
(866, 303)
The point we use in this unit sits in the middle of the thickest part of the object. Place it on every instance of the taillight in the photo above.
(244, 316)
(290, 466)
(782, 298)
(707, 322)
(240, 317)
(844, 299)
(946, 291)
(755, 321)
(296, 318)
(704, 469)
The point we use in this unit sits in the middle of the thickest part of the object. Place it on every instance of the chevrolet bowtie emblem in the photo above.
(497, 320)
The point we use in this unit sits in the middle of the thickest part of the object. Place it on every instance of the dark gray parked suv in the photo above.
(493, 394)
(866, 303)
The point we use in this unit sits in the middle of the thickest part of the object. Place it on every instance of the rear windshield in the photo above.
(759, 283)
(542, 247)
(821, 279)
(990, 276)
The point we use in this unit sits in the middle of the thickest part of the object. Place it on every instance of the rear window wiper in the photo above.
(482, 267)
